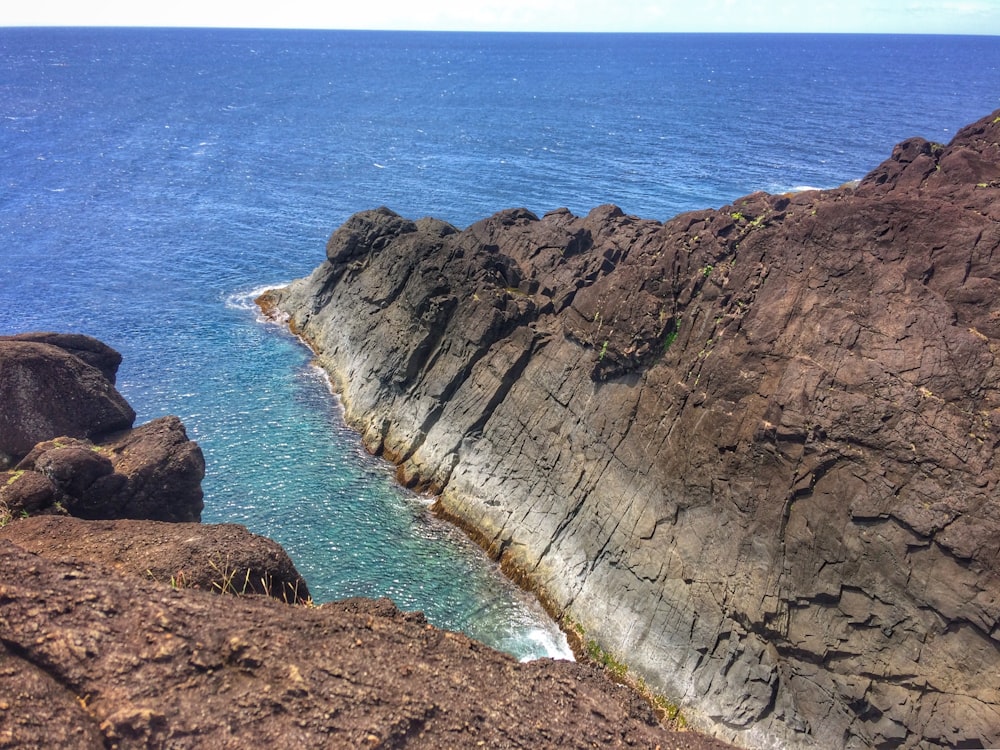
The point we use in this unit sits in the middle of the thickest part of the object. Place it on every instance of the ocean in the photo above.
(153, 181)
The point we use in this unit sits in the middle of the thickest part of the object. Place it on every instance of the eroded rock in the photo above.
(751, 451)
(92, 660)
(222, 558)
(153, 472)
(47, 391)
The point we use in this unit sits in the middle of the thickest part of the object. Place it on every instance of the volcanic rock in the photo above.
(90, 350)
(152, 472)
(749, 451)
(46, 391)
(224, 558)
(89, 659)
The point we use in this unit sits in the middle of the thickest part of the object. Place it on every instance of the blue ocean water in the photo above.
(152, 180)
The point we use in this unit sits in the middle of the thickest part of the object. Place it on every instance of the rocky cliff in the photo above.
(750, 451)
(112, 634)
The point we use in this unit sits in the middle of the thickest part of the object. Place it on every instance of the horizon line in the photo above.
(591, 32)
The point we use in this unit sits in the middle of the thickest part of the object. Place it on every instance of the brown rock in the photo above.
(751, 451)
(153, 472)
(45, 392)
(86, 655)
(222, 558)
(163, 469)
(95, 353)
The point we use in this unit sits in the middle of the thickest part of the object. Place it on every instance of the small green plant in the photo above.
(707, 270)
(604, 350)
(606, 659)
(737, 215)
(5, 515)
(177, 581)
(669, 339)
(227, 575)
(670, 712)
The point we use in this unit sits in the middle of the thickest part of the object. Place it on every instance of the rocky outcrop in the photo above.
(110, 635)
(220, 558)
(89, 659)
(67, 441)
(751, 451)
(48, 391)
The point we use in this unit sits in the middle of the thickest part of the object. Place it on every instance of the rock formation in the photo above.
(750, 451)
(67, 441)
(111, 633)
(220, 558)
(90, 659)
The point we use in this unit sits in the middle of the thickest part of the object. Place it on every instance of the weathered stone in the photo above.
(152, 472)
(222, 558)
(45, 392)
(750, 451)
(92, 659)
(163, 469)
(95, 353)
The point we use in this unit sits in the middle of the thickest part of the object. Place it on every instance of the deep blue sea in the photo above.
(152, 180)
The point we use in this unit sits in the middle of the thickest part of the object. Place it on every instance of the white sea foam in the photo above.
(553, 645)
(246, 300)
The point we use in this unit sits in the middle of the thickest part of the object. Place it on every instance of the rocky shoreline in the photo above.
(749, 452)
(126, 623)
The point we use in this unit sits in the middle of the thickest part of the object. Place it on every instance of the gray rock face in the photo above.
(751, 452)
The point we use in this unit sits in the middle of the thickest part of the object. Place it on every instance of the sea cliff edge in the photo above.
(750, 452)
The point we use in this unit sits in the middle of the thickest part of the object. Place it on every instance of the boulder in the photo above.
(90, 350)
(221, 558)
(152, 472)
(46, 392)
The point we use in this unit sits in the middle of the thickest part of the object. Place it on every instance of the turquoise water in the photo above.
(152, 180)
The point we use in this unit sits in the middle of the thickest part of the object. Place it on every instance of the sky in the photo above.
(838, 16)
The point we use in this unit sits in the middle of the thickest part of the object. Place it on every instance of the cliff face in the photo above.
(110, 635)
(750, 451)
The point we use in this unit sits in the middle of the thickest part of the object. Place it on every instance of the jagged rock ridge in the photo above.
(749, 450)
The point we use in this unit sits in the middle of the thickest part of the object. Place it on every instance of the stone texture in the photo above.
(95, 353)
(751, 451)
(91, 659)
(152, 472)
(47, 391)
(222, 558)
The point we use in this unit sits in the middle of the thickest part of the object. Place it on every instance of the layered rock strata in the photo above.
(750, 451)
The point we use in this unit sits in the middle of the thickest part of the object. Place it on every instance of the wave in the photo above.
(246, 301)
(548, 644)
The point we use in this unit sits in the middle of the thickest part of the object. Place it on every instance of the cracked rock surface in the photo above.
(90, 659)
(750, 451)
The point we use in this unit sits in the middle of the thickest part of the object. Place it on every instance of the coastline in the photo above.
(667, 712)
(517, 574)
(692, 440)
